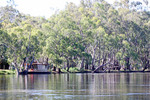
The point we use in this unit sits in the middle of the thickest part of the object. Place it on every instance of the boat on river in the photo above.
(36, 68)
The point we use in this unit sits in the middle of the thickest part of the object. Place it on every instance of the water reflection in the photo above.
(108, 86)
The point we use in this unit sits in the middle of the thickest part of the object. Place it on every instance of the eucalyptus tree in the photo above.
(136, 35)
(24, 32)
(64, 42)
(4, 41)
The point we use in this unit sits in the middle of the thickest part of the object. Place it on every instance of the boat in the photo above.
(36, 68)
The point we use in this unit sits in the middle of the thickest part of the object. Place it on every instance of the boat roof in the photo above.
(36, 64)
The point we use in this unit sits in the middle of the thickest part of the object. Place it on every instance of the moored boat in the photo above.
(36, 68)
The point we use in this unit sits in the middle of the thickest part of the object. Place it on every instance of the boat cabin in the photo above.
(38, 67)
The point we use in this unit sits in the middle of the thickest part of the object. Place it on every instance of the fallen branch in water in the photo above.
(101, 66)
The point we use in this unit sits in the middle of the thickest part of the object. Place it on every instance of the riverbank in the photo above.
(6, 72)
(123, 72)
(76, 70)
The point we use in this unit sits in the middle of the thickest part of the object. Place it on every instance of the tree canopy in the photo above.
(88, 36)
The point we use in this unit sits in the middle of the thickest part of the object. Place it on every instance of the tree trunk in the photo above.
(127, 60)
(116, 65)
(59, 70)
(48, 65)
(145, 63)
(99, 54)
(54, 68)
(30, 64)
(93, 68)
(104, 58)
(86, 65)
(104, 61)
(93, 59)
(24, 61)
(82, 64)
(68, 65)
(47, 61)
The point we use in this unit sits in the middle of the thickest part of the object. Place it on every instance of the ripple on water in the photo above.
(137, 94)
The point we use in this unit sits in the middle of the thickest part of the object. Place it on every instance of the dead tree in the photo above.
(101, 66)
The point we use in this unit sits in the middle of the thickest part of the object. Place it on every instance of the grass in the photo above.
(75, 70)
(71, 70)
(6, 72)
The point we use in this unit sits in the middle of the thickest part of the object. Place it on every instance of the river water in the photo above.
(97, 86)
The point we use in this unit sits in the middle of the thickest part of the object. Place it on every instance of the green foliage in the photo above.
(6, 72)
(72, 70)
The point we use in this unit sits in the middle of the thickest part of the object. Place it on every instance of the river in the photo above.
(88, 86)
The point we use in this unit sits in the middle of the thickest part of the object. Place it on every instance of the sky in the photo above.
(44, 8)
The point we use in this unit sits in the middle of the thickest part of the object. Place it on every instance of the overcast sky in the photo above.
(41, 7)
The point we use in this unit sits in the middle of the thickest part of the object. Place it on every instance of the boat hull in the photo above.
(39, 72)
(27, 72)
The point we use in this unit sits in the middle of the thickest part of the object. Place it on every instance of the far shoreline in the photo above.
(10, 72)
(55, 72)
